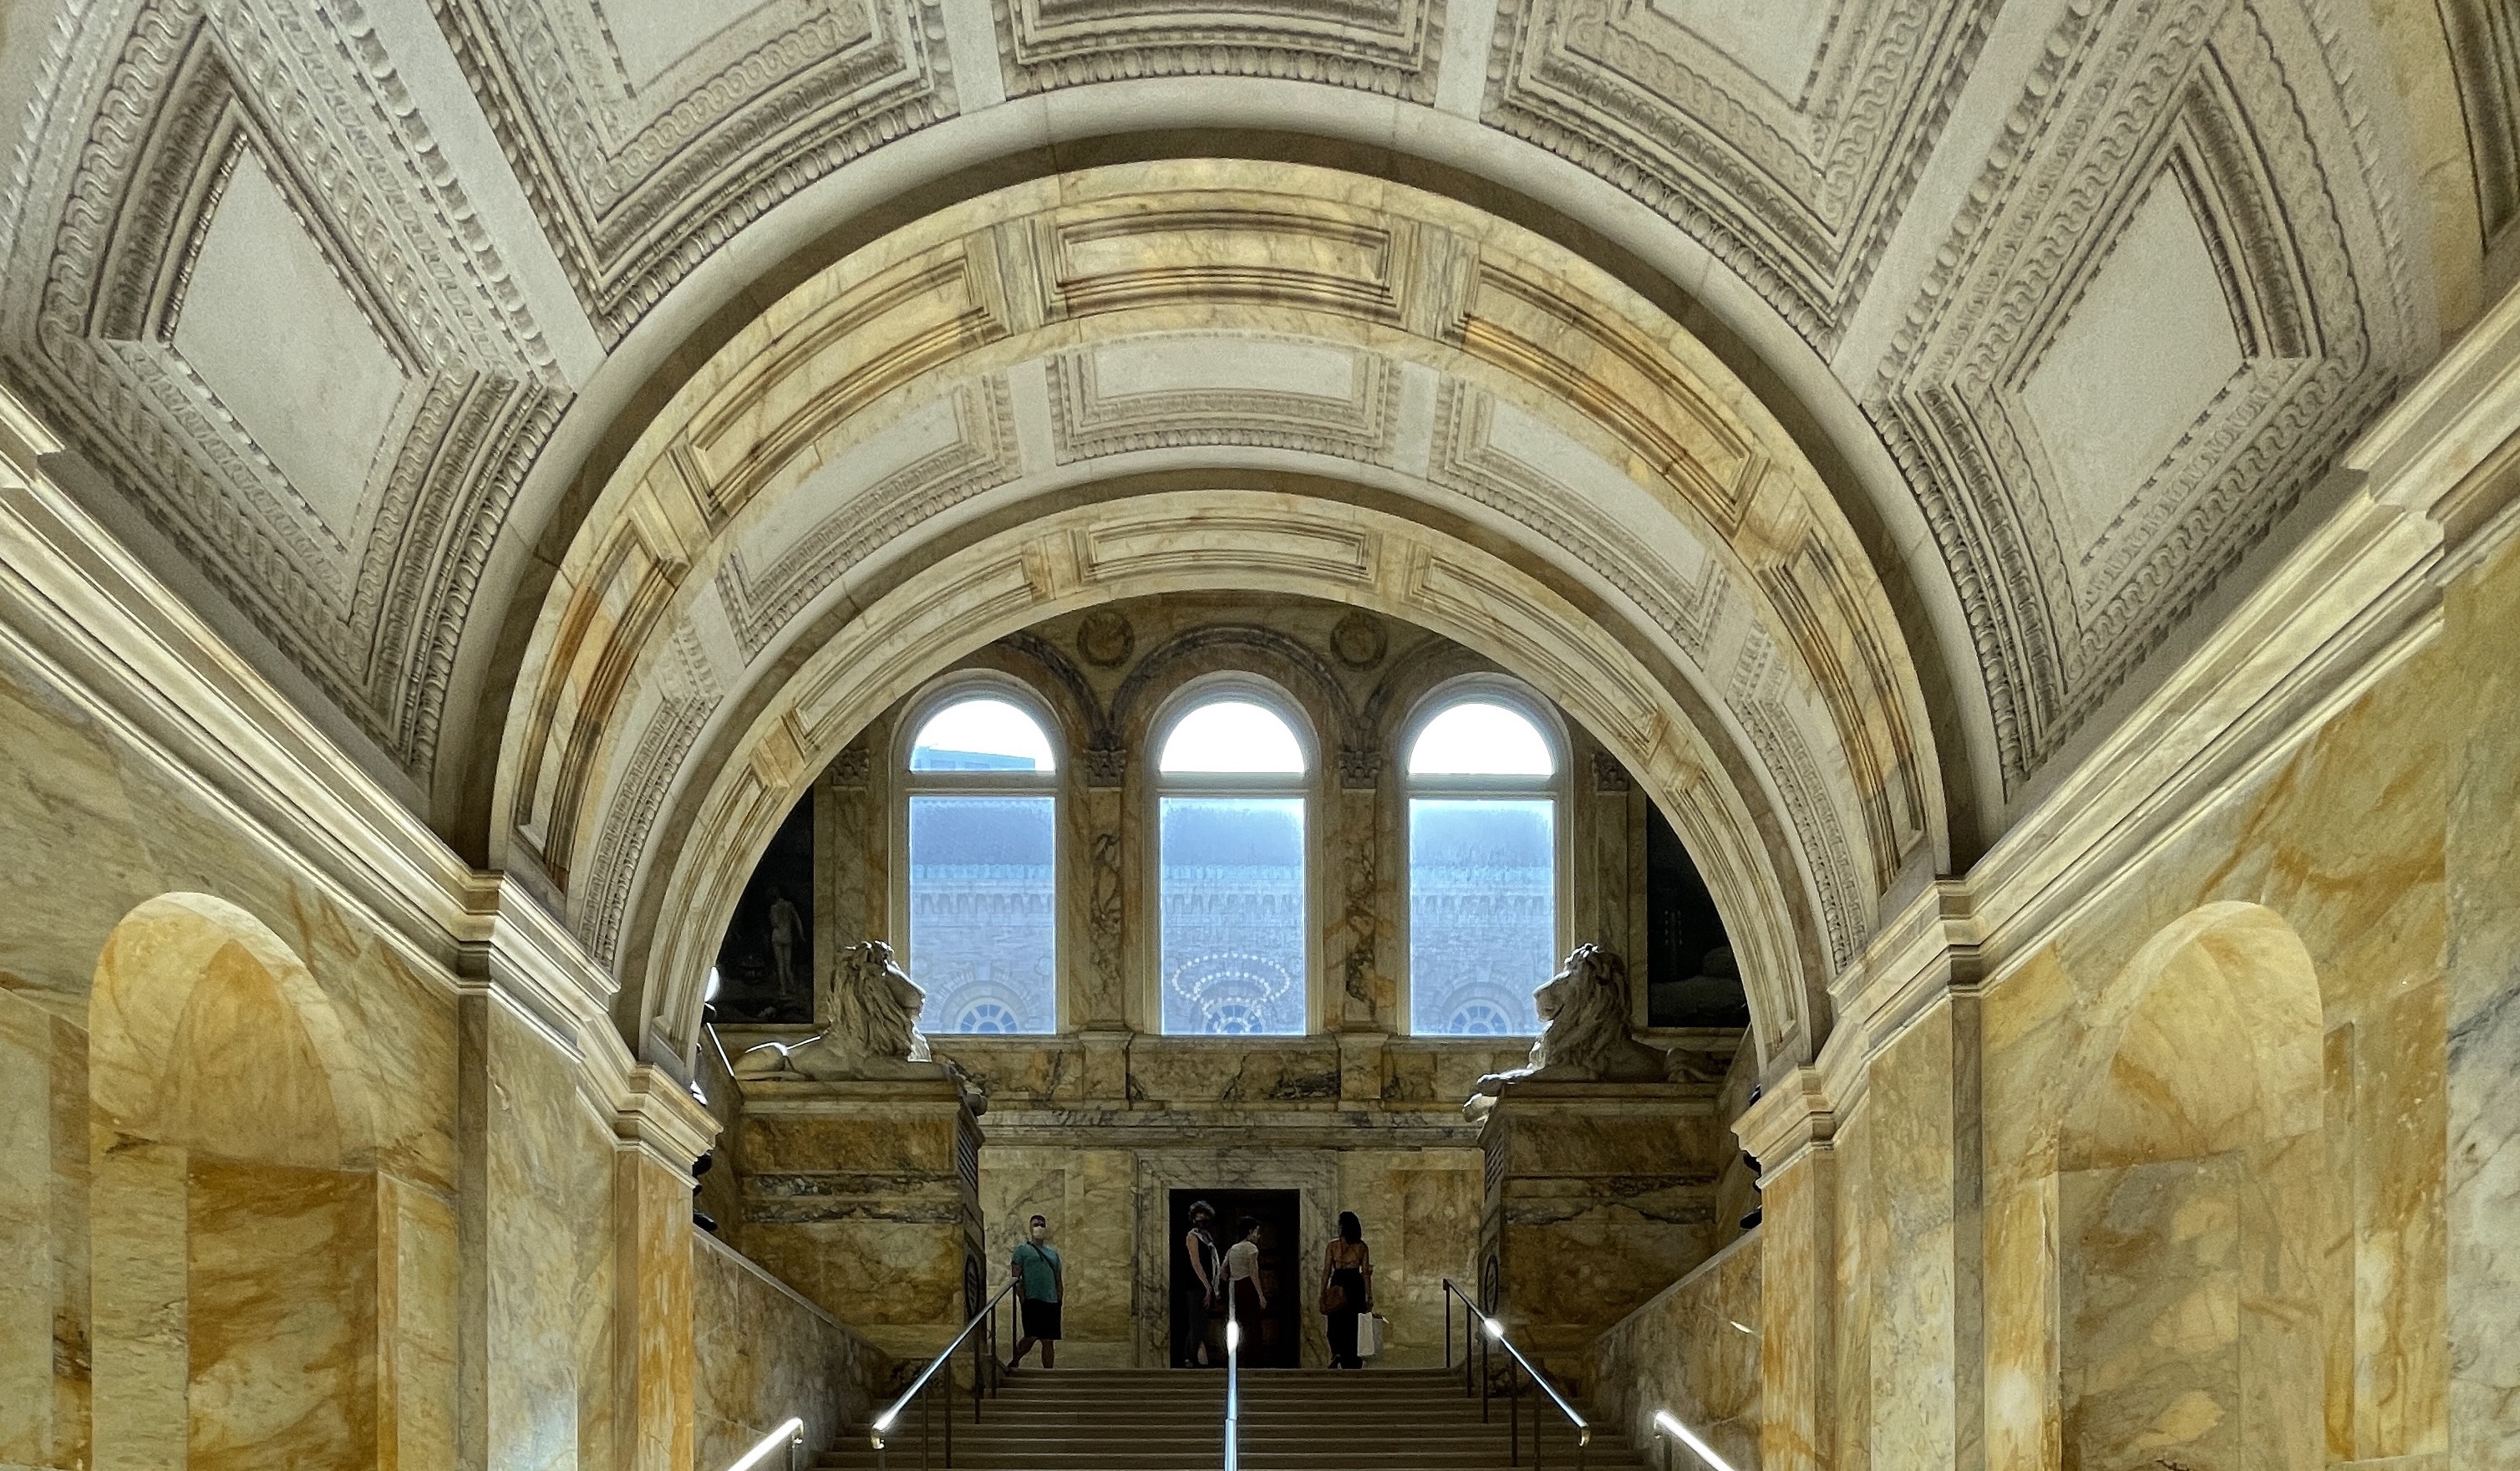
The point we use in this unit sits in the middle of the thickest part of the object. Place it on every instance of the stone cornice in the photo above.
(124, 649)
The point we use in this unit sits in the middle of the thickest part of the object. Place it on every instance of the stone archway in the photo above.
(1219, 539)
(234, 1255)
(1008, 361)
(2190, 1189)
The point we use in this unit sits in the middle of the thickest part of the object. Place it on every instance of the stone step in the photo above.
(1291, 1420)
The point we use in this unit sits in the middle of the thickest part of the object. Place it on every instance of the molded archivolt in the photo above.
(1660, 558)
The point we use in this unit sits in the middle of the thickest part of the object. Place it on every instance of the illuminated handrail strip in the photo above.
(1496, 1331)
(1232, 1383)
(791, 1431)
(1668, 1423)
(884, 1422)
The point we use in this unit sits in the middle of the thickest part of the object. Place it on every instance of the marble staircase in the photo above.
(1292, 1420)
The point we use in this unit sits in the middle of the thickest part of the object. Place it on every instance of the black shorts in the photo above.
(1040, 1320)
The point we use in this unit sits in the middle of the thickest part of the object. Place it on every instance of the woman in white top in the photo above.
(1242, 1273)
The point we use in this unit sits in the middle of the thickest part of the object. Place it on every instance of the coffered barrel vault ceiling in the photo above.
(352, 310)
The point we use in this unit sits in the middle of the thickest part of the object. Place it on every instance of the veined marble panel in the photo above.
(1691, 1350)
(763, 1353)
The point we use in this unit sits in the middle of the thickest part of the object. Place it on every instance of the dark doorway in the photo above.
(1277, 1342)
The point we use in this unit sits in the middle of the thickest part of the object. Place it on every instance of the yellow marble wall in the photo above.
(856, 1194)
(1091, 1198)
(1110, 1204)
(1598, 1195)
(2479, 1104)
(266, 1227)
(764, 1353)
(552, 1260)
(2345, 841)
(2343, 1296)
(1694, 1351)
(280, 1322)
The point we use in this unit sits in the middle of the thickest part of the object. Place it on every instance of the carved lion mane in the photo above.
(873, 1009)
(1584, 1038)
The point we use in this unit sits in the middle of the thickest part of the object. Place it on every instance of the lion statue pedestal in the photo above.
(857, 1154)
(1600, 1174)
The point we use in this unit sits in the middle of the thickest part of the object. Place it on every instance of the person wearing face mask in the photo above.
(1038, 1279)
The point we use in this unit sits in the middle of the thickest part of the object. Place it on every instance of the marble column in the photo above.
(1598, 1196)
(864, 1197)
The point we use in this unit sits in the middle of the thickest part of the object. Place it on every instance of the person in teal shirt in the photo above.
(1038, 1279)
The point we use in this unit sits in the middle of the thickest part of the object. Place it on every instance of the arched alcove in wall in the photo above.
(2189, 1190)
(234, 1257)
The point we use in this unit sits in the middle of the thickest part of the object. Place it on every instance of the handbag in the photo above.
(1373, 1329)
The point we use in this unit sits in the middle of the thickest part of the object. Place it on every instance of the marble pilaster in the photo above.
(1791, 1131)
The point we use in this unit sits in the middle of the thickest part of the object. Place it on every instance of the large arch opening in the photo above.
(1002, 363)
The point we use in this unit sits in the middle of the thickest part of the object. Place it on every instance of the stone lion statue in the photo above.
(873, 1032)
(1584, 1031)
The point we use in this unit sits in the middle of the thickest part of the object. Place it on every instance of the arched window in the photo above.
(1482, 869)
(983, 898)
(1230, 781)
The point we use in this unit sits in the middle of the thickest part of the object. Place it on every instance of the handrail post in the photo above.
(1233, 1382)
(1514, 1411)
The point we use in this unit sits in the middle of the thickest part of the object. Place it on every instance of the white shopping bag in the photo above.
(1372, 1330)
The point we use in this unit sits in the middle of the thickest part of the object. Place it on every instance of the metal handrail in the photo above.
(791, 1431)
(884, 1422)
(1232, 1383)
(1669, 1424)
(1493, 1331)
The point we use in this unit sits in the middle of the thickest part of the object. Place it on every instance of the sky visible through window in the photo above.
(1479, 737)
(1482, 874)
(1231, 736)
(981, 735)
(1232, 875)
(983, 888)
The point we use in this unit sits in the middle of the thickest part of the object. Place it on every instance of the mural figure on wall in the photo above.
(765, 963)
(787, 929)
(1585, 1036)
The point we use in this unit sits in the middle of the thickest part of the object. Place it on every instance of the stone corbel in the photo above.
(1793, 1116)
(1929, 948)
(656, 1115)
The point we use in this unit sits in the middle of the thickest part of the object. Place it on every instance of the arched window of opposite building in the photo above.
(981, 789)
(1232, 778)
(1484, 826)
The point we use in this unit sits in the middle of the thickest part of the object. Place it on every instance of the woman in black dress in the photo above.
(1347, 1289)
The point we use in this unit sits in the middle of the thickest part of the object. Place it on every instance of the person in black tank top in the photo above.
(1347, 1289)
(1195, 1293)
